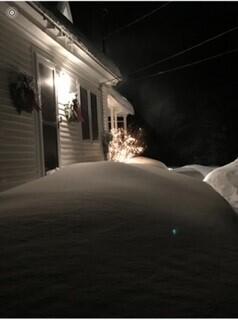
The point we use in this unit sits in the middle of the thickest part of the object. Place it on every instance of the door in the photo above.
(49, 116)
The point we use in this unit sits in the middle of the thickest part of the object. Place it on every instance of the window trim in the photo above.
(97, 114)
(90, 139)
(40, 57)
(81, 124)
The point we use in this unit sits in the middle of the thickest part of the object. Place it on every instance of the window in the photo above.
(94, 113)
(85, 113)
(109, 124)
(46, 78)
(90, 114)
(119, 122)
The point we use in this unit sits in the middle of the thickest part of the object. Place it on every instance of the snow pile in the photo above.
(225, 181)
(195, 170)
(115, 240)
(204, 170)
(147, 162)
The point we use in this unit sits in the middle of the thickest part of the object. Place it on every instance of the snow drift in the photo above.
(225, 181)
(195, 170)
(117, 240)
(147, 162)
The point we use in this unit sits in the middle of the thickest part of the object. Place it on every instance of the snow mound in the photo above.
(195, 170)
(225, 181)
(204, 170)
(116, 240)
(147, 161)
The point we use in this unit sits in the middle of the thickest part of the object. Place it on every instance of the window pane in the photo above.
(94, 116)
(109, 123)
(84, 109)
(49, 124)
(120, 124)
(47, 93)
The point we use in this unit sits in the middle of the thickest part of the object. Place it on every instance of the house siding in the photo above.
(73, 148)
(19, 135)
(18, 154)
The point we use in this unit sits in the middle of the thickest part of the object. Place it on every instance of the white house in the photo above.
(56, 96)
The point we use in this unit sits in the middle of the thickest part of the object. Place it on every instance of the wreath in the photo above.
(72, 111)
(23, 94)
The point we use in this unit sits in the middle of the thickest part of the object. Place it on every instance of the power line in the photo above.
(184, 51)
(188, 64)
(137, 20)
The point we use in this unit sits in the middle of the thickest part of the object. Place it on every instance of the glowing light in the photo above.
(48, 82)
(124, 146)
(63, 86)
(174, 231)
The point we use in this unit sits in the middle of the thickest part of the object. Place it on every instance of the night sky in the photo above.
(188, 115)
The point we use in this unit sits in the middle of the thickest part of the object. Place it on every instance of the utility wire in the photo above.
(188, 64)
(137, 20)
(184, 51)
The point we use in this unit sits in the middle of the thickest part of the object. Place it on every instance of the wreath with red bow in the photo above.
(23, 94)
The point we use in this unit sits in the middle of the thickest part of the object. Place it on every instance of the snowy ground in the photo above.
(117, 240)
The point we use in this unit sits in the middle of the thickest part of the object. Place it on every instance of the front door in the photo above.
(49, 116)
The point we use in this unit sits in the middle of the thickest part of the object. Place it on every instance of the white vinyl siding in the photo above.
(73, 147)
(18, 154)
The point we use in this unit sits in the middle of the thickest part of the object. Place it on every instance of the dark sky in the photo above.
(189, 115)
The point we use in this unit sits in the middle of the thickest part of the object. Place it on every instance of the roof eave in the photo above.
(113, 72)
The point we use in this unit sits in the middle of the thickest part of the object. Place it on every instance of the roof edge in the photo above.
(80, 40)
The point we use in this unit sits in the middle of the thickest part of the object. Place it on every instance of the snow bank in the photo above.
(225, 181)
(195, 170)
(147, 161)
(114, 240)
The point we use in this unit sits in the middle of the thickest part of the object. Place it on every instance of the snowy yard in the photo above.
(117, 240)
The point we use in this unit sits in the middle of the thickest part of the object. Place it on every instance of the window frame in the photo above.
(89, 92)
(97, 115)
(42, 58)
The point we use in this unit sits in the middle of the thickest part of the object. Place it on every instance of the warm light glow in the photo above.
(48, 82)
(63, 86)
(124, 146)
